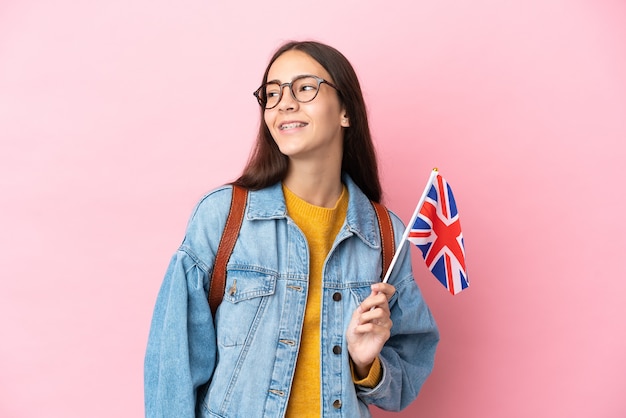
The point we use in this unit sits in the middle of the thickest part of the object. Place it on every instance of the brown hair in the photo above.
(267, 165)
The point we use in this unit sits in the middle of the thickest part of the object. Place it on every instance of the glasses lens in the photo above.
(270, 94)
(305, 89)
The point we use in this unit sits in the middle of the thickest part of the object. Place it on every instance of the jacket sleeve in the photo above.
(180, 356)
(181, 352)
(408, 356)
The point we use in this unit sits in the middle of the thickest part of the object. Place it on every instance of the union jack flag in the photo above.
(437, 233)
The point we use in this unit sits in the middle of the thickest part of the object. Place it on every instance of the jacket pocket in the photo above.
(246, 296)
(244, 285)
(360, 293)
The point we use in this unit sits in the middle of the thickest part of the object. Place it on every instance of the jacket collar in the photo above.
(269, 203)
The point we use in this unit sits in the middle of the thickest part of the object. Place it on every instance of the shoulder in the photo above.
(381, 210)
(209, 215)
(398, 224)
(217, 200)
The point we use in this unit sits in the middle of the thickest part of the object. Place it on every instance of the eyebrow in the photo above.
(298, 76)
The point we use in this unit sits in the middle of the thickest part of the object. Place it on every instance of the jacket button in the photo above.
(337, 349)
(336, 296)
(337, 404)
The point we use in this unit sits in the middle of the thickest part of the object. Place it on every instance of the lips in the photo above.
(291, 125)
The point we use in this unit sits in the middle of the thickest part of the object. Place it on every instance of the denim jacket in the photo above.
(241, 363)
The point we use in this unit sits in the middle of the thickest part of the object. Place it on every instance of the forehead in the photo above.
(294, 63)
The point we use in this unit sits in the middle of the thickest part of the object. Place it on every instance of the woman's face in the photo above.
(312, 130)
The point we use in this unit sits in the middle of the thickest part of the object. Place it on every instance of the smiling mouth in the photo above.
(292, 125)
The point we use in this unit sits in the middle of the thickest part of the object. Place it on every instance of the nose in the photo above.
(287, 102)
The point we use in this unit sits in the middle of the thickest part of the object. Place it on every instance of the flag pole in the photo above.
(433, 174)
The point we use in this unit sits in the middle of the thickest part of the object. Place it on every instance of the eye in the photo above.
(307, 86)
(272, 90)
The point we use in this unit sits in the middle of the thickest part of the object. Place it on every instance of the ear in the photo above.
(345, 121)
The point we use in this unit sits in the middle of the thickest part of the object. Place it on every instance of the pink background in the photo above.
(116, 116)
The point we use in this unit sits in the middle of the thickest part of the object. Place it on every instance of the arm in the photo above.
(181, 352)
(407, 357)
(180, 355)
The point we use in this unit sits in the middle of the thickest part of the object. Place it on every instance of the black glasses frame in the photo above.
(263, 101)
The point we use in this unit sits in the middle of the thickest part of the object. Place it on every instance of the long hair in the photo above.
(267, 165)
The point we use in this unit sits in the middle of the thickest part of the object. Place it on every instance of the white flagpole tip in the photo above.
(435, 169)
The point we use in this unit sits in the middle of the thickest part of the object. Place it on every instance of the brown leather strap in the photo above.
(225, 248)
(386, 235)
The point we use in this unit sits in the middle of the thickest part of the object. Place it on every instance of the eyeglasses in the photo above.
(303, 88)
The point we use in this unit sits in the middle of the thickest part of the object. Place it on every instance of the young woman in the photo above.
(305, 328)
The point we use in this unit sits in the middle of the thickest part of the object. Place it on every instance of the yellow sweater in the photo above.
(320, 226)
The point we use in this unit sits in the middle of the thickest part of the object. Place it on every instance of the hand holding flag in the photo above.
(435, 229)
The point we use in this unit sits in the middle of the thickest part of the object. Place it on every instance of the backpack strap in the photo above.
(225, 248)
(386, 235)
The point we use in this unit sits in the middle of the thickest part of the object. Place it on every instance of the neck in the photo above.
(319, 186)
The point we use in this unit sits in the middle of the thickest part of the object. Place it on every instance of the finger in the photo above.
(375, 300)
(387, 289)
(383, 330)
(377, 315)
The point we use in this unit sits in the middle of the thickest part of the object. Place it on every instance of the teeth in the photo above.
(292, 125)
